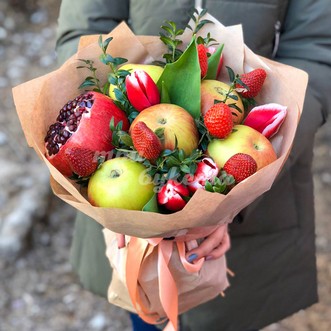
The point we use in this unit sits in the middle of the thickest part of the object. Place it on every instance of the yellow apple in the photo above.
(153, 70)
(243, 139)
(120, 183)
(176, 122)
(215, 90)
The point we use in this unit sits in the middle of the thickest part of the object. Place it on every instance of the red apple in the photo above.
(212, 90)
(120, 183)
(243, 139)
(176, 122)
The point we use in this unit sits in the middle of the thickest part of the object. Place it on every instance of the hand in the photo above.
(213, 247)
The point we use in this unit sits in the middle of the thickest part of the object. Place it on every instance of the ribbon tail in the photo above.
(137, 251)
(167, 285)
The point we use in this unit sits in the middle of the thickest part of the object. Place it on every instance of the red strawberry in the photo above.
(203, 60)
(218, 120)
(240, 166)
(254, 80)
(81, 160)
(145, 141)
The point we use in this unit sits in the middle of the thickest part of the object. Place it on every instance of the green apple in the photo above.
(153, 70)
(212, 90)
(176, 122)
(243, 139)
(120, 183)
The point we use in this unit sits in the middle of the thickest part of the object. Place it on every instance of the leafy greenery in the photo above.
(221, 184)
(199, 23)
(120, 138)
(116, 78)
(169, 36)
(90, 81)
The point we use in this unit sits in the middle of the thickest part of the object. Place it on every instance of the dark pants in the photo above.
(139, 325)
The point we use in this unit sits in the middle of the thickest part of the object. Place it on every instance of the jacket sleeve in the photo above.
(82, 17)
(305, 43)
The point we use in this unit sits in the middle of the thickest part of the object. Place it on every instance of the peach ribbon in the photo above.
(138, 250)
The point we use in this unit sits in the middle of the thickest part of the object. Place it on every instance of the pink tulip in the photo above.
(266, 119)
(206, 170)
(141, 90)
(172, 195)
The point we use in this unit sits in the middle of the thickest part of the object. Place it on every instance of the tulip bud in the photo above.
(266, 119)
(141, 90)
(206, 170)
(172, 194)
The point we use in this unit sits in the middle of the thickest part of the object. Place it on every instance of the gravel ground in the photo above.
(38, 289)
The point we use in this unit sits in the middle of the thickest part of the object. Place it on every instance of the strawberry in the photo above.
(146, 142)
(203, 59)
(254, 80)
(81, 160)
(218, 120)
(240, 166)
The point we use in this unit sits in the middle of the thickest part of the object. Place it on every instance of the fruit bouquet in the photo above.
(163, 137)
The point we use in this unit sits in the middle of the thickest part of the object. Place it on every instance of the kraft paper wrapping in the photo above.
(193, 288)
(39, 101)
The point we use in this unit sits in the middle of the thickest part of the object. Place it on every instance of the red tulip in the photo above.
(141, 90)
(206, 170)
(172, 195)
(266, 119)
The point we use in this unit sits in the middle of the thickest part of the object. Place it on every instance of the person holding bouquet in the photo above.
(272, 240)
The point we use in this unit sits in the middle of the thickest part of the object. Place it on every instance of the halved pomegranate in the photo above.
(82, 123)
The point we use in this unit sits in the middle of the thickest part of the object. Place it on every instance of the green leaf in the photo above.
(231, 74)
(208, 186)
(185, 168)
(193, 168)
(165, 97)
(105, 89)
(151, 205)
(119, 60)
(172, 161)
(87, 83)
(104, 44)
(126, 138)
(182, 80)
(181, 155)
(213, 62)
(106, 58)
(112, 124)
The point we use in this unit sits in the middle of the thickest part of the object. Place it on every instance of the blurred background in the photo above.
(38, 290)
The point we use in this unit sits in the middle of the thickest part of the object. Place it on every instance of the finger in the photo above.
(208, 245)
(221, 249)
(120, 240)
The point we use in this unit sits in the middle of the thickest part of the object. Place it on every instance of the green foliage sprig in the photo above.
(199, 23)
(90, 81)
(169, 36)
(116, 77)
